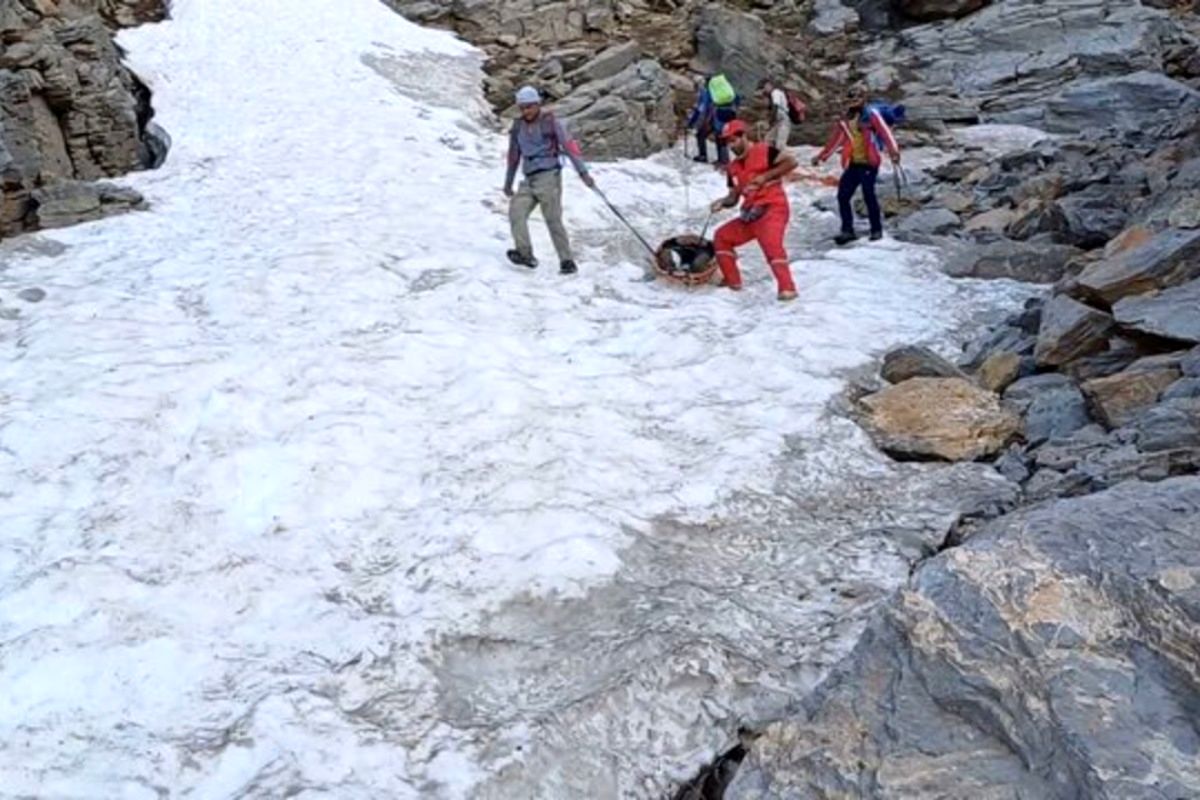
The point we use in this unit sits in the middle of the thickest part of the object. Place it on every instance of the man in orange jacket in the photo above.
(859, 135)
(755, 175)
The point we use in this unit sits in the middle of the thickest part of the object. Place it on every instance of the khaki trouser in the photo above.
(544, 189)
(779, 133)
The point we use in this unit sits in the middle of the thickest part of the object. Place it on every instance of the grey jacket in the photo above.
(539, 145)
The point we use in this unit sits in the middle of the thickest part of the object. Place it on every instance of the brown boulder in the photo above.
(998, 371)
(941, 418)
(1119, 399)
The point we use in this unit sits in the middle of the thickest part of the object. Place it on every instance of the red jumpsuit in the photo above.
(771, 202)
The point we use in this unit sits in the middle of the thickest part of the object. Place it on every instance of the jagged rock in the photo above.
(830, 18)
(1069, 330)
(911, 361)
(1013, 465)
(1091, 217)
(1008, 60)
(1173, 313)
(735, 43)
(1132, 237)
(1042, 187)
(998, 371)
(71, 202)
(1047, 657)
(928, 10)
(1186, 212)
(1117, 357)
(1050, 405)
(995, 220)
(958, 202)
(527, 20)
(1190, 363)
(946, 418)
(1117, 400)
(1063, 453)
(1002, 339)
(608, 63)
(1169, 258)
(629, 115)
(1182, 388)
(1048, 483)
(68, 108)
(1170, 425)
(1006, 259)
(1130, 102)
(930, 222)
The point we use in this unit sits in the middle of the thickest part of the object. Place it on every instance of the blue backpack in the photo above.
(893, 115)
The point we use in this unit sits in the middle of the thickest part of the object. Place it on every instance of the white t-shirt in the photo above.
(779, 104)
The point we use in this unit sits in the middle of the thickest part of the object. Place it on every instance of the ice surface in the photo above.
(308, 492)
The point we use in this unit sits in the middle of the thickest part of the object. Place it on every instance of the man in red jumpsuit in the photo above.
(756, 176)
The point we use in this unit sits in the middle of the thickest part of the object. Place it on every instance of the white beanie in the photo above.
(527, 95)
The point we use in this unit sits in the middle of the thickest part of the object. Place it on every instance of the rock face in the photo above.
(943, 418)
(68, 109)
(1049, 64)
(1046, 657)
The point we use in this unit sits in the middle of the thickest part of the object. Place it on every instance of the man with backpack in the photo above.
(716, 105)
(779, 115)
(756, 177)
(536, 143)
(860, 135)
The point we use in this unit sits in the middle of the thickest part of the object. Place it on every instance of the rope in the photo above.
(628, 224)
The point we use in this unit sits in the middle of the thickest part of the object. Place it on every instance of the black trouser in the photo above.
(856, 175)
(722, 115)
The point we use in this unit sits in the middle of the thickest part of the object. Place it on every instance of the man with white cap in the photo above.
(536, 143)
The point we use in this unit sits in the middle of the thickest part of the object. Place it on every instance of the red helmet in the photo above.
(733, 128)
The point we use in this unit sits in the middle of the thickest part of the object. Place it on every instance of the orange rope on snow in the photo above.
(801, 175)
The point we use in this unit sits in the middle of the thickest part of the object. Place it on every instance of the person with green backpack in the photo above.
(716, 105)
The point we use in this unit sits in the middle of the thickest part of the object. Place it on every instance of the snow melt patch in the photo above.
(264, 444)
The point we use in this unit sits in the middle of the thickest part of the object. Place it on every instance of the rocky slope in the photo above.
(1040, 654)
(1049, 651)
(70, 112)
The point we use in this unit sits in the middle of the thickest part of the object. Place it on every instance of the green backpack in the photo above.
(721, 90)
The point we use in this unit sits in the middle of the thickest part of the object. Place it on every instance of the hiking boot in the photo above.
(733, 287)
(786, 296)
(876, 236)
(700, 159)
(523, 259)
(845, 238)
(568, 267)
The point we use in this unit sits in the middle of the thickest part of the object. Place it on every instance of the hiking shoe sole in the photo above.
(518, 258)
